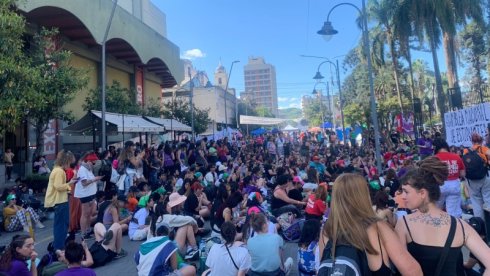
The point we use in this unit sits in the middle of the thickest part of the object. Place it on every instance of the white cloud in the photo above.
(193, 54)
(293, 99)
(282, 99)
(295, 105)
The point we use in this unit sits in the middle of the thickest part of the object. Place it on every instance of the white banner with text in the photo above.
(462, 123)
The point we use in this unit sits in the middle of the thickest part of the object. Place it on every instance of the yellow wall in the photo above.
(152, 91)
(117, 75)
(76, 105)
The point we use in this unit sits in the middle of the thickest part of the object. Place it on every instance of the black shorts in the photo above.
(87, 199)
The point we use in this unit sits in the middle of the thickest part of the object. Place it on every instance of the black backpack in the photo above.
(348, 261)
(474, 164)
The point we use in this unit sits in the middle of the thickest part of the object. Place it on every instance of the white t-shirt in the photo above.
(139, 216)
(85, 191)
(220, 263)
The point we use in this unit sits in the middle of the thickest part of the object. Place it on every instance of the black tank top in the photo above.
(383, 270)
(428, 256)
(277, 203)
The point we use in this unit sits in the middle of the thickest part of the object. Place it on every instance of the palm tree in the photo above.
(451, 13)
(383, 11)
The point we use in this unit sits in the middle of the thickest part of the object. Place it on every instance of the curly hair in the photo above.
(430, 175)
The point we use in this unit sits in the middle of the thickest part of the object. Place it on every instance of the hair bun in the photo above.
(434, 168)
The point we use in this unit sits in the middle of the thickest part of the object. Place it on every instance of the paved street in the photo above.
(124, 266)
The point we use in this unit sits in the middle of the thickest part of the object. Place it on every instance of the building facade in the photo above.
(207, 96)
(260, 83)
(139, 56)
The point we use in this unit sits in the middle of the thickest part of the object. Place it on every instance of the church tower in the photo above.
(220, 76)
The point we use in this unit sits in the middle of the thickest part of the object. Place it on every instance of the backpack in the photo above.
(349, 261)
(105, 171)
(474, 164)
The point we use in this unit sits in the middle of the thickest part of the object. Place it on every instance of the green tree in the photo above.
(180, 110)
(118, 100)
(17, 78)
(384, 11)
(263, 111)
(153, 108)
(356, 113)
(473, 50)
(315, 112)
(57, 86)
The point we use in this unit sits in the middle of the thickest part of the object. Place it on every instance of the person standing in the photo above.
(85, 190)
(57, 197)
(9, 165)
(451, 190)
(479, 188)
(424, 144)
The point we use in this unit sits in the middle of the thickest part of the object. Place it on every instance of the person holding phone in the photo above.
(85, 190)
(57, 197)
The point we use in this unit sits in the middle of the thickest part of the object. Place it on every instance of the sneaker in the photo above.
(121, 254)
(40, 225)
(288, 264)
(108, 237)
(191, 254)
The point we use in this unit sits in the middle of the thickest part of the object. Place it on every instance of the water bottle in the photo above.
(202, 255)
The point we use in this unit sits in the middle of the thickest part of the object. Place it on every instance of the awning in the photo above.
(115, 123)
(169, 124)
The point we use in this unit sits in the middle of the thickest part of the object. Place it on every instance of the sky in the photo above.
(211, 31)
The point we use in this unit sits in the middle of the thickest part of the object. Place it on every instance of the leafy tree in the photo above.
(118, 100)
(473, 51)
(180, 110)
(263, 111)
(315, 112)
(17, 78)
(153, 108)
(57, 86)
(356, 113)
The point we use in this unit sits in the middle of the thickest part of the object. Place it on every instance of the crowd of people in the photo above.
(231, 205)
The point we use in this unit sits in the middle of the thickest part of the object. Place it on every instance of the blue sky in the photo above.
(278, 30)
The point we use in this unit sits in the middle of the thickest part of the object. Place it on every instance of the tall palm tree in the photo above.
(383, 12)
(450, 14)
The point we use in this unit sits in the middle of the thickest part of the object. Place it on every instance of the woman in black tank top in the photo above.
(429, 230)
(352, 222)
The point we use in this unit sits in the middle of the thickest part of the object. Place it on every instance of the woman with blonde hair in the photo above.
(57, 197)
(353, 223)
(431, 235)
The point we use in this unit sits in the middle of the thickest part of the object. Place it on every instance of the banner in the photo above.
(462, 123)
(265, 121)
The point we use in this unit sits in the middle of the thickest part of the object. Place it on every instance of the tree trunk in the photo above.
(449, 52)
(39, 129)
(394, 60)
(437, 73)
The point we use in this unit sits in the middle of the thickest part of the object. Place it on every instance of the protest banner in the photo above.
(462, 123)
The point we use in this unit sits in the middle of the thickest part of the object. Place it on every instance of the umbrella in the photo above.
(275, 130)
(258, 131)
(315, 129)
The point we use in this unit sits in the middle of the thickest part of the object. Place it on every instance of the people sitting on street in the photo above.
(74, 256)
(107, 245)
(13, 260)
(17, 218)
(159, 256)
(140, 223)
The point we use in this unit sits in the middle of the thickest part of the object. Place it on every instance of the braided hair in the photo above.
(430, 175)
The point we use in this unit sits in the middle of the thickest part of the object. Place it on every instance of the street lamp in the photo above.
(318, 76)
(327, 31)
(226, 95)
(104, 76)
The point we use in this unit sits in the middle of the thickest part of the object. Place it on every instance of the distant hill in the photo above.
(290, 113)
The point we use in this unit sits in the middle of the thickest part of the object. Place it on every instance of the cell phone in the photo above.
(76, 178)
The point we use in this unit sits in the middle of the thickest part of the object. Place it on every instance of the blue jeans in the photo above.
(60, 225)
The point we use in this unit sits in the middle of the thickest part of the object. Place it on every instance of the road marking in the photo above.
(44, 240)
